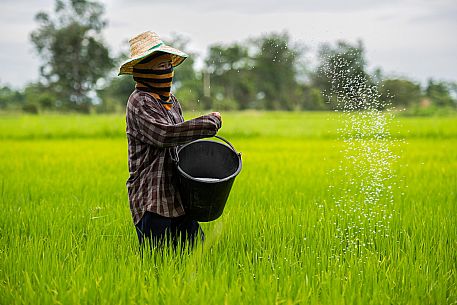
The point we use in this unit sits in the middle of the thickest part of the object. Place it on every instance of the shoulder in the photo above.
(174, 99)
(138, 98)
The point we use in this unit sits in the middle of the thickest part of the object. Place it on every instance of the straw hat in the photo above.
(145, 44)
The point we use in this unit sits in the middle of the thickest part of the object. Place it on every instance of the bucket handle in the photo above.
(175, 150)
(174, 159)
(229, 144)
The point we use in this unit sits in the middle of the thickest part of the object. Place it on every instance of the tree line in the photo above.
(268, 72)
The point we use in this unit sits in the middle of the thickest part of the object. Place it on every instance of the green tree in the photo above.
(187, 82)
(400, 92)
(38, 98)
(276, 62)
(341, 73)
(72, 50)
(115, 94)
(10, 99)
(310, 98)
(185, 72)
(440, 93)
(230, 76)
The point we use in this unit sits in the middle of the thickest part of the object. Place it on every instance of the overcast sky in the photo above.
(410, 38)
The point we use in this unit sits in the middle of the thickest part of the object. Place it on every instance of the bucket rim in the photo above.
(186, 175)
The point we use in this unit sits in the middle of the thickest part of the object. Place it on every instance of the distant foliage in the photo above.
(341, 73)
(401, 93)
(74, 56)
(10, 100)
(268, 72)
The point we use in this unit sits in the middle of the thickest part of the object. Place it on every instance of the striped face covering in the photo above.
(154, 80)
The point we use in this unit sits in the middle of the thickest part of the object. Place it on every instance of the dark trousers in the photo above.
(159, 231)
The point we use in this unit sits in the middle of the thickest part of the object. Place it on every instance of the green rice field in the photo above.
(67, 237)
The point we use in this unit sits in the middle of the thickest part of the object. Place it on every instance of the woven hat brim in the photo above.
(177, 57)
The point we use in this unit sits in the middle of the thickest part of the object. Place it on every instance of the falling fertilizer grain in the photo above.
(363, 199)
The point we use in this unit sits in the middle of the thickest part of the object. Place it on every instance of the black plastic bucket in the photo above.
(206, 170)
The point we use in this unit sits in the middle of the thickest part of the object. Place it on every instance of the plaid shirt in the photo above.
(151, 133)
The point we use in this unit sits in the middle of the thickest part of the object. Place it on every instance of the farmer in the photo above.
(155, 126)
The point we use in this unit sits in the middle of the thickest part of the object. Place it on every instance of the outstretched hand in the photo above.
(218, 115)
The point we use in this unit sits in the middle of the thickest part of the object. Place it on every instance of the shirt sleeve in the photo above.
(152, 128)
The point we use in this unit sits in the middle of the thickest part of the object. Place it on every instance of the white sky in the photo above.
(411, 38)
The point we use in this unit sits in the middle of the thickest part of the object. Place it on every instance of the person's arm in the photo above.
(151, 128)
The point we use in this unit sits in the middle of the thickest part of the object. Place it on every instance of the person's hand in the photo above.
(218, 115)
